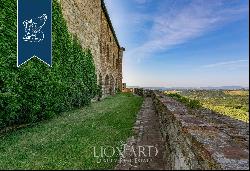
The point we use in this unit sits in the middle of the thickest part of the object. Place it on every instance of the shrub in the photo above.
(35, 91)
(138, 91)
(194, 104)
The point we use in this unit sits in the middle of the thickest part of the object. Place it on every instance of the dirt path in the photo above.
(144, 150)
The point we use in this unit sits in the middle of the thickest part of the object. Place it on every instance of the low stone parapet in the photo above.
(201, 139)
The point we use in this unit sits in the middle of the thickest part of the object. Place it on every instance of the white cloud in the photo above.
(176, 25)
(230, 64)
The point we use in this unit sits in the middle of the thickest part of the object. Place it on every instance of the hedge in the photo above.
(36, 91)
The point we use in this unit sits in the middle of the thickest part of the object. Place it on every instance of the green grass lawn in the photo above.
(67, 141)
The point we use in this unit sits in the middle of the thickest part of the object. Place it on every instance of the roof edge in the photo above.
(109, 22)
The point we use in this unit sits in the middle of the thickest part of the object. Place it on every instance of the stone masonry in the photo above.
(89, 21)
(186, 139)
(201, 139)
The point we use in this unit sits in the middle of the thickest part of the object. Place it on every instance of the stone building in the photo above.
(89, 21)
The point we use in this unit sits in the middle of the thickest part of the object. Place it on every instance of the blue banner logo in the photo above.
(34, 31)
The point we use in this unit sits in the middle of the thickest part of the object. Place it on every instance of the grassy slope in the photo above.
(230, 103)
(67, 142)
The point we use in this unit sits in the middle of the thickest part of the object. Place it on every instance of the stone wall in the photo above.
(89, 21)
(111, 55)
(201, 139)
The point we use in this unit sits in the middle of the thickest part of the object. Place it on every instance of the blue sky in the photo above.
(183, 42)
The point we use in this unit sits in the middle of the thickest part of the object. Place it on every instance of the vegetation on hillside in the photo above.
(35, 91)
(233, 103)
(67, 141)
(193, 104)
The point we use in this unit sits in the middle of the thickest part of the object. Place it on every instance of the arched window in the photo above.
(100, 79)
(116, 84)
(112, 85)
(107, 53)
(117, 63)
(107, 80)
(107, 85)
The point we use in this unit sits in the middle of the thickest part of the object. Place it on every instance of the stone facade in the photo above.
(89, 21)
